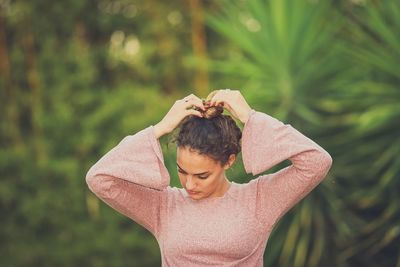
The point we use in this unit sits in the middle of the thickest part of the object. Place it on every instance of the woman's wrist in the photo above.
(159, 130)
(246, 116)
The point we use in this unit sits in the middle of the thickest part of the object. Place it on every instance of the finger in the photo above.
(211, 95)
(195, 112)
(199, 103)
(188, 98)
(218, 98)
(193, 100)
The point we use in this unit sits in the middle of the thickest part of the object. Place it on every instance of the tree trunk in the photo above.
(9, 110)
(199, 47)
(33, 81)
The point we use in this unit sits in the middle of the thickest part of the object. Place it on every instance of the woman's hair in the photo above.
(215, 135)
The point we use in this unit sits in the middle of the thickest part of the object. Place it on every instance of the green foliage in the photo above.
(66, 98)
(373, 133)
(337, 82)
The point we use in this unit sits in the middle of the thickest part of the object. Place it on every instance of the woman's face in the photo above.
(200, 173)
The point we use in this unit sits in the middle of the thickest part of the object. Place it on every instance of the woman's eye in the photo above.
(201, 177)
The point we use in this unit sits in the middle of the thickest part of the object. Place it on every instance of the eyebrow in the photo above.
(186, 171)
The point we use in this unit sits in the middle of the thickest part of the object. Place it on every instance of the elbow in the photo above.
(91, 179)
(100, 185)
(315, 166)
(90, 182)
(324, 163)
(327, 161)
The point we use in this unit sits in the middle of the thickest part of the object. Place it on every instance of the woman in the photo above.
(211, 221)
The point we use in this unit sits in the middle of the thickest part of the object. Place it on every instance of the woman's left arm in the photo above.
(266, 142)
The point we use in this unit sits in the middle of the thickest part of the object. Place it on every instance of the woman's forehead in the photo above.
(192, 159)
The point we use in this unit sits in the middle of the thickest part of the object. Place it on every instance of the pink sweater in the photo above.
(231, 230)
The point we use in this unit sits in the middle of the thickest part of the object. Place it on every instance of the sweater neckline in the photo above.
(208, 199)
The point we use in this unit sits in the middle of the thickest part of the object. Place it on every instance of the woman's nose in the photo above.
(190, 183)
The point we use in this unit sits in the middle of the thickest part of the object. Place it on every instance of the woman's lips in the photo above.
(192, 192)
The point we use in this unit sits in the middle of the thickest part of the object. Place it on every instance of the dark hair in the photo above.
(215, 135)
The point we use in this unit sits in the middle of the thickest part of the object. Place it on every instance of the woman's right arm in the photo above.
(132, 177)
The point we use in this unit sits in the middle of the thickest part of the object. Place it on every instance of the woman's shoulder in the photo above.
(250, 188)
(245, 187)
(176, 193)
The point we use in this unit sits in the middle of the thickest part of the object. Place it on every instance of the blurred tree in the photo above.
(199, 43)
(367, 113)
(71, 88)
(331, 75)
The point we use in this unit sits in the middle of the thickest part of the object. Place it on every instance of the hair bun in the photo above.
(212, 112)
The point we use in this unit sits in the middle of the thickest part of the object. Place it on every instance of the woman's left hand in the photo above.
(233, 101)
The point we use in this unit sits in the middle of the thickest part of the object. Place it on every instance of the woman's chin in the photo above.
(195, 196)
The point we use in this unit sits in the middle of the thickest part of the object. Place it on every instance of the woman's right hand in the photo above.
(177, 113)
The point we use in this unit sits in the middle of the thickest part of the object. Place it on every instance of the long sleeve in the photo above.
(266, 142)
(132, 178)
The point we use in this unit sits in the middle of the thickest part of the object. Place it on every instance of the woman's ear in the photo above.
(230, 162)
